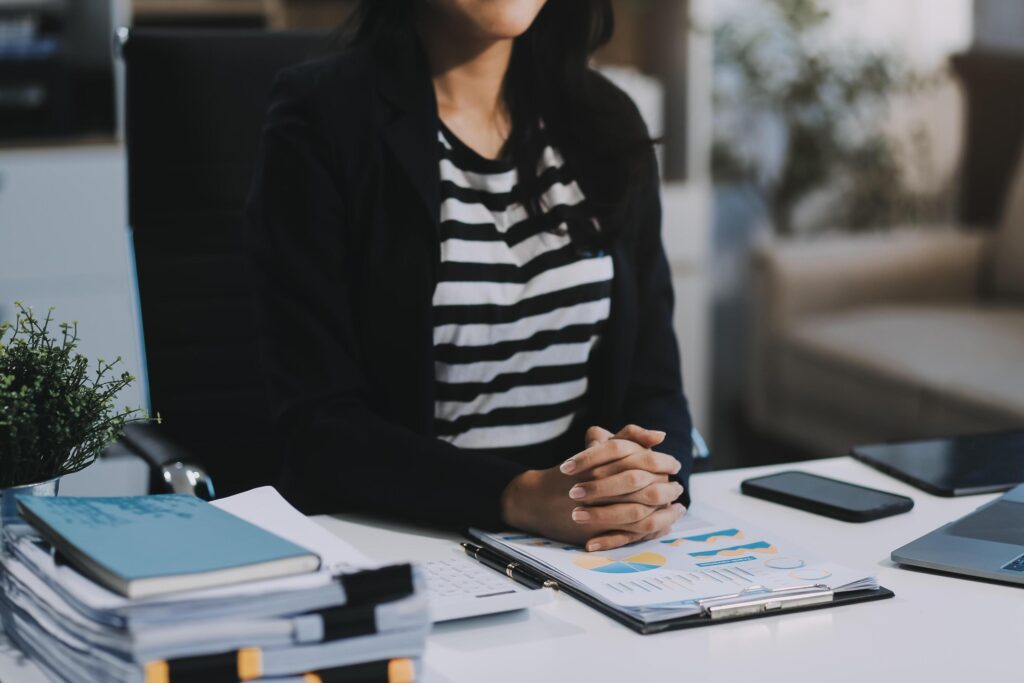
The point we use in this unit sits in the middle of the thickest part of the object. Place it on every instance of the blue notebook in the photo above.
(144, 546)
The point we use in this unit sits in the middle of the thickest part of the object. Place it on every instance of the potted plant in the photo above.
(57, 408)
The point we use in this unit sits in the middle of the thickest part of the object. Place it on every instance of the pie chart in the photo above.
(811, 574)
(784, 563)
(641, 562)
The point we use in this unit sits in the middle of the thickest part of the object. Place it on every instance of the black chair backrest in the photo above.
(195, 107)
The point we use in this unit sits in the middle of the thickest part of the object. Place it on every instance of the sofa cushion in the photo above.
(1008, 256)
(908, 371)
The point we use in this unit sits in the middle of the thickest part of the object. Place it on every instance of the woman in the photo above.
(456, 231)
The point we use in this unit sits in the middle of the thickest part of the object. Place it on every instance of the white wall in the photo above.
(686, 230)
(687, 219)
(64, 243)
(686, 223)
(686, 208)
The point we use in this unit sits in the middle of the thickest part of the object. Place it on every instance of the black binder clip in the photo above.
(758, 599)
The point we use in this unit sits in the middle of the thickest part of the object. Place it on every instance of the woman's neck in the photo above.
(469, 76)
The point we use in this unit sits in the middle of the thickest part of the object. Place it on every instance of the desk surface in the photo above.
(936, 628)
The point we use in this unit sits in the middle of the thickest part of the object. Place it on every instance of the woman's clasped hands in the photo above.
(618, 490)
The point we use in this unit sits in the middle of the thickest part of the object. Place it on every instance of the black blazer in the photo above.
(343, 220)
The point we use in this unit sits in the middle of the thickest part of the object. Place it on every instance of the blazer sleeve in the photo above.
(654, 393)
(340, 454)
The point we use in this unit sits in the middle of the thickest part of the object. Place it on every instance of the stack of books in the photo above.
(159, 589)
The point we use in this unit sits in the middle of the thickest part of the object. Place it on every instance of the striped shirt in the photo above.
(517, 308)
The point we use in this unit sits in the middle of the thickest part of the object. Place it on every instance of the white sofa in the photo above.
(907, 334)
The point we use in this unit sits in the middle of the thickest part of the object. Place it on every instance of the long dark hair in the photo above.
(549, 80)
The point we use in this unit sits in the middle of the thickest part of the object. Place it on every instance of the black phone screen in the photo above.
(823, 490)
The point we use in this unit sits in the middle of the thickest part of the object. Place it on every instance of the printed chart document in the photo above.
(707, 555)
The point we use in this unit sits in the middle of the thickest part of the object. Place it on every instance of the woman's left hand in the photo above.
(632, 491)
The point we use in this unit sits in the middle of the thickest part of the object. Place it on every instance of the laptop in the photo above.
(988, 543)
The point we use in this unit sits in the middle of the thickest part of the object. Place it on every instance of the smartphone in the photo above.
(828, 497)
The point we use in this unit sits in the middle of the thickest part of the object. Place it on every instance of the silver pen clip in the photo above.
(758, 599)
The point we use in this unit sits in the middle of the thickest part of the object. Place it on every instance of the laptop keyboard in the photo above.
(1016, 566)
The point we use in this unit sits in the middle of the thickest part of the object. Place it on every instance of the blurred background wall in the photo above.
(795, 133)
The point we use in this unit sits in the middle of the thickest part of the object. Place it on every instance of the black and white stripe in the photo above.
(517, 309)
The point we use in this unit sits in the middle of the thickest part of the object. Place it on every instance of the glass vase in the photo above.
(9, 498)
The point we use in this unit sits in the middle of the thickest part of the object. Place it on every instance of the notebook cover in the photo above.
(151, 536)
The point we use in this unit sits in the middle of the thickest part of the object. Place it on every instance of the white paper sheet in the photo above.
(266, 508)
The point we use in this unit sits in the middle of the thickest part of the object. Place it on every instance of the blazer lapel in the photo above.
(410, 117)
(407, 114)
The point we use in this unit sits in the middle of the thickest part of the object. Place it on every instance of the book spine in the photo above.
(247, 665)
(348, 622)
(378, 585)
(387, 671)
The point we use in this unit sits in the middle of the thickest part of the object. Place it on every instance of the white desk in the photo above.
(936, 629)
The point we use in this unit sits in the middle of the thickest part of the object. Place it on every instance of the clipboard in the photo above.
(718, 610)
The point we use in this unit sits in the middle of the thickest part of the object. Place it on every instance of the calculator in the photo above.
(459, 587)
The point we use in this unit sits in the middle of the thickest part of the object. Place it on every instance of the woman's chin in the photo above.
(505, 20)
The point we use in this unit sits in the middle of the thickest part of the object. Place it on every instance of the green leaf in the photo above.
(56, 415)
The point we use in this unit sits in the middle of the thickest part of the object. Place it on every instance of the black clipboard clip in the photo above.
(754, 600)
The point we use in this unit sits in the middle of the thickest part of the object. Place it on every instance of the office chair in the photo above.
(194, 113)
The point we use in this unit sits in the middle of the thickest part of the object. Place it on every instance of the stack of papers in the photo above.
(352, 618)
(708, 558)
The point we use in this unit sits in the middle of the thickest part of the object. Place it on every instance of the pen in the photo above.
(512, 570)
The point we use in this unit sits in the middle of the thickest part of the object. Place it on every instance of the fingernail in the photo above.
(577, 492)
(593, 545)
(679, 466)
(680, 507)
(658, 432)
(580, 515)
(568, 467)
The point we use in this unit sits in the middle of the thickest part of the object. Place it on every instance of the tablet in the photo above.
(957, 466)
